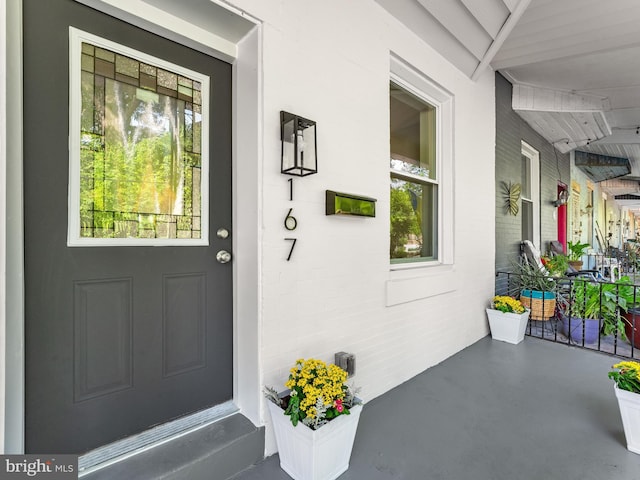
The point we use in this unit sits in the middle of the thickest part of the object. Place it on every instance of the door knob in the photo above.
(223, 256)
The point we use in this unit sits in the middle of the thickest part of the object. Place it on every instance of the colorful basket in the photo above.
(541, 304)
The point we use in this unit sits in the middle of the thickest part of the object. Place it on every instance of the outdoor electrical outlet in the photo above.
(346, 361)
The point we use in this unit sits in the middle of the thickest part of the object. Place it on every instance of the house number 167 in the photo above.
(290, 222)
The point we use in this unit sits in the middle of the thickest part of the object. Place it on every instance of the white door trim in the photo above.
(12, 286)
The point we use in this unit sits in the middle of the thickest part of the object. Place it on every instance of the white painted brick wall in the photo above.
(329, 61)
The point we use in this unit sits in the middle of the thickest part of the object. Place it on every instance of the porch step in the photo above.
(214, 452)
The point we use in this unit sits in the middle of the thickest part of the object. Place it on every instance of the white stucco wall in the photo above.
(329, 61)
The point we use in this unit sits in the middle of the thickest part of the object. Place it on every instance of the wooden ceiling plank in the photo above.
(548, 127)
(591, 125)
(622, 137)
(579, 25)
(527, 97)
(462, 25)
(570, 129)
(510, 4)
(414, 17)
(567, 10)
(491, 14)
(576, 45)
(601, 120)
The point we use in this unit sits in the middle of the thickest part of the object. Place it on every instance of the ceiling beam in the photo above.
(527, 97)
(509, 25)
(621, 137)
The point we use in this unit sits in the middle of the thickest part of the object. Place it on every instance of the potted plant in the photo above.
(537, 291)
(507, 319)
(582, 321)
(556, 264)
(616, 299)
(626, 377)
(315, 421)
(592, 302)
(576, 251)
(630, 315)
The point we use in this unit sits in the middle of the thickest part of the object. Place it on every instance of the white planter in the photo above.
(629, 404)
(321, 454)
(507, 327)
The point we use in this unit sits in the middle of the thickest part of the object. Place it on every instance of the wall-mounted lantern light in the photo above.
(299, 150)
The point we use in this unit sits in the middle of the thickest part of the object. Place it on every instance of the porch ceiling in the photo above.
(467, 32)
(573, 62)
(580, 49)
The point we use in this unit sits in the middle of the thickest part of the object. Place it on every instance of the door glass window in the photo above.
(138, 167)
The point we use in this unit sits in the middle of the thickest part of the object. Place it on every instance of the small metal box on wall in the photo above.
(348, 204)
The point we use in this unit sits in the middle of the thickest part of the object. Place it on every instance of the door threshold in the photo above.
(120, 450)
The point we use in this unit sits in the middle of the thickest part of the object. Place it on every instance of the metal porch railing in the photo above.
(612, 311)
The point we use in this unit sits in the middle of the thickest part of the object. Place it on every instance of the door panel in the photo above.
(118, 339)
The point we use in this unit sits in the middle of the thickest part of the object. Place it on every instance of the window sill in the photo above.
(410, 284)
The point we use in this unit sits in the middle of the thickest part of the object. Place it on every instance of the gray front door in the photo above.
(120, 338)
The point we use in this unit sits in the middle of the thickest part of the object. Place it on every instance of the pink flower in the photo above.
(338, 405)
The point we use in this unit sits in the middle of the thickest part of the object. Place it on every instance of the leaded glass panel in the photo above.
(140, 149)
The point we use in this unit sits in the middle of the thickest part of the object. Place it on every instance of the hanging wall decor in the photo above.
(512, 196)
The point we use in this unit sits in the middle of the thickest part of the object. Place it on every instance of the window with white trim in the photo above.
(420, 169)
(530, 194)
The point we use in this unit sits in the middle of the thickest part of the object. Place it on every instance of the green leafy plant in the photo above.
(576, 250)
(317, 393)
(405, 220)
(556, 264)
(533, 278)
(626, 375)
(606, 301)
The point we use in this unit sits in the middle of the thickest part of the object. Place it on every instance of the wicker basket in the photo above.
(541, 308)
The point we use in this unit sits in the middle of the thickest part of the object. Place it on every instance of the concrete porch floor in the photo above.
(494, 411)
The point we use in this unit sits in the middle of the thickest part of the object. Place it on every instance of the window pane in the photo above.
(140, 152)
(413, 134)
(526, 177)
(413, 220)
(527, 220)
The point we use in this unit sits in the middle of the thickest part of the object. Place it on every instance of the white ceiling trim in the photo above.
(503, 34)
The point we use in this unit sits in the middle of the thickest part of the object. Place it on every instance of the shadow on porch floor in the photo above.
(494, 411)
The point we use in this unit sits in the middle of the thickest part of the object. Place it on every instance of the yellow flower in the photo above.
(507, 304)
(313, 382)
(629, 366)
